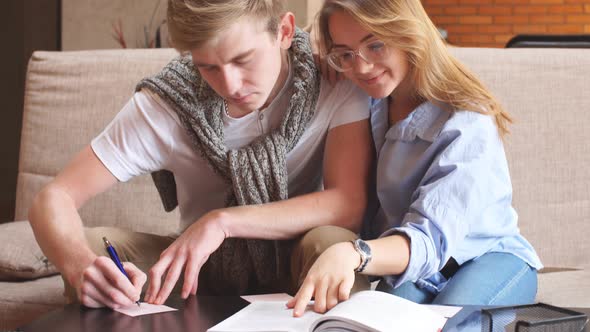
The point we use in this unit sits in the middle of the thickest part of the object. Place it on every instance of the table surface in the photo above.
(197, 313)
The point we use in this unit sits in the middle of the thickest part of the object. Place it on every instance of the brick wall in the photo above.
(491, 23)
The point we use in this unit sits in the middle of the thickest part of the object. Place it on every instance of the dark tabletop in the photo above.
(197, 313)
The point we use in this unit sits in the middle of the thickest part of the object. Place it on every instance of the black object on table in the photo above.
(538, 317)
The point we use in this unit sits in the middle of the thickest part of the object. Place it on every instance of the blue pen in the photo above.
(113, 253)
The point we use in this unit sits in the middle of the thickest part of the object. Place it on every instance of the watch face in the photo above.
(364, 247)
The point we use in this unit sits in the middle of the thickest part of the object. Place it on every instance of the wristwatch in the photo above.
(364, 251)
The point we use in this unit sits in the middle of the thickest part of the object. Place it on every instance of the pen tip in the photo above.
(106, 242)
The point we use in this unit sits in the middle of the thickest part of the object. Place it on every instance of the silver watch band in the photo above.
(364, 251)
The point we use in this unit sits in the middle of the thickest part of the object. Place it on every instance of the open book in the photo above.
(365, 311)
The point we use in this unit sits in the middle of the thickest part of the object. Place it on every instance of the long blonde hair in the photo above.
(436, 74)
(192, 23)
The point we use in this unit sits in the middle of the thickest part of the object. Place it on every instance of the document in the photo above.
(369, 311)
(446, 311)
(267, 297)
(144, 309)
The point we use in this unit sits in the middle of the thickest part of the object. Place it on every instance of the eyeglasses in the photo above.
(371, 51)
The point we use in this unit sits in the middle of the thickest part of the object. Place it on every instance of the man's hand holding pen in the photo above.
(115, 284)
(115, 258)
(102, 284)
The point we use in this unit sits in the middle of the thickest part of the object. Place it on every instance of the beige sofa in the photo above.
(71, 96)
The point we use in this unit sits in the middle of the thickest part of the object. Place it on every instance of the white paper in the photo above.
(446, 311)
(268, 297)
(271, 316)
(144, 309)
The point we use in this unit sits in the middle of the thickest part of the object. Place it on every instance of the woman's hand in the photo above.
(329, 280)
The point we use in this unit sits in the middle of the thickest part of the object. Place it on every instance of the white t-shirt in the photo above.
(147, 136)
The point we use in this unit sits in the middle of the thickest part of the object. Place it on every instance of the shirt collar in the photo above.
(425, 122)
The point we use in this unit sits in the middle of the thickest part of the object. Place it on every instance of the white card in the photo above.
(268, 297)
(144, 309)
(446, 311)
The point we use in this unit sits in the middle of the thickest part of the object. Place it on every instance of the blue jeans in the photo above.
(492, 279)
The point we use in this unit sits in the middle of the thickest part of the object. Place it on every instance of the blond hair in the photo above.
(436, 74)
(192, 23)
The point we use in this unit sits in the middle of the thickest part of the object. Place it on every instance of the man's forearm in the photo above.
(347, 157)
(289, 218)
(59, 231)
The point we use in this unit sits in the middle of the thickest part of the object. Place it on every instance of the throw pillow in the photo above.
(20, 257)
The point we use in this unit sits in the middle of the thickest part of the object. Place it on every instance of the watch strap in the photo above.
(365, 256)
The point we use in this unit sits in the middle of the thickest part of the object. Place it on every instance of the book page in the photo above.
(272, 316)
(379, 311)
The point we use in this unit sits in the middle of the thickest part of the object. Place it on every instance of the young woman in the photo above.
(445, 231)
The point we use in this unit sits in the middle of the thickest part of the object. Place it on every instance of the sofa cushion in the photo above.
(21, 257)
(565, 288)
(70, 97)
(21, 302)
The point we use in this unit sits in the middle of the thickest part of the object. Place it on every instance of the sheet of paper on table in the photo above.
(446, 311)
(267, 297)
(144, 309)
(266, 316)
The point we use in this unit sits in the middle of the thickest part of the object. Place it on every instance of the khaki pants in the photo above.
(143, 250)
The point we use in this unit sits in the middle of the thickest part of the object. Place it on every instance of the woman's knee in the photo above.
(492, 279)
(310, 246)
(520, 289)
(317, 240)
(408, 290)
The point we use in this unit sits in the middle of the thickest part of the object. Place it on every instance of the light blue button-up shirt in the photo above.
(443, 180)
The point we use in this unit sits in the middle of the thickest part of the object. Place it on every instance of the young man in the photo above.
(247, 132)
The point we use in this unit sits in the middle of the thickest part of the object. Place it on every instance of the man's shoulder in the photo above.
(341, 91)
(340, 85)
(342, 102)
(150, 102)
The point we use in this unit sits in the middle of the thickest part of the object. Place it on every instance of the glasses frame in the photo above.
(354, 53)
